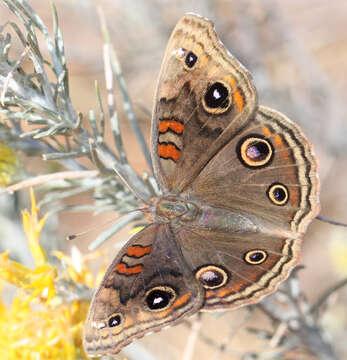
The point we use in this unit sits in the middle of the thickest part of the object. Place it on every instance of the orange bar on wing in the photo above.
(162, 314)
(174, 125)
(231, 81)
(131, 270)
(278, 140)
(266, 131)
(181, 300)
(169, 151)
(238, 99)
(225, 292)
(139, 251)
(209, 294)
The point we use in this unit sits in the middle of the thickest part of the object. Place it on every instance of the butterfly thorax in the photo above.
(172, 209)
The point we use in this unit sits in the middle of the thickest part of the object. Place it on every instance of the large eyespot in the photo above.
(160, 298)
(278, 194)
(254, 151)
(217, 98)
(114, 320)
(190, 59)
(255, 257)
(211, 276)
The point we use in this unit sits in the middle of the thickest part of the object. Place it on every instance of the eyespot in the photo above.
(98, 325)
(180, 53)
(254, 151)
(114, 320)
(211, 277)
(160, 298)
(190, 59)
(217, 98)
(278, 194)
(255, 257)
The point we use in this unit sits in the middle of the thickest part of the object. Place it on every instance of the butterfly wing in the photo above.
(237, 269)
(146, 287)
(203, 96)
(266, 176)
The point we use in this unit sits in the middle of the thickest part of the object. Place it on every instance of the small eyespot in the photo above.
(278, 194)
(191, 59)
(160, 298)
(98, 325)
(254, 151)
(114, 320)
(217, 98)
(211, 277)
(180, 53)
(255, 257)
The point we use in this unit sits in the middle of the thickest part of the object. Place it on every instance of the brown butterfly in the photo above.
(239, 186)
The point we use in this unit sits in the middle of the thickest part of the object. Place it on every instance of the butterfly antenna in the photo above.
(82, 233)
(132, 189)
(329, 221)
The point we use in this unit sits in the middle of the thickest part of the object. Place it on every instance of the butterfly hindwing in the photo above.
(237, 269)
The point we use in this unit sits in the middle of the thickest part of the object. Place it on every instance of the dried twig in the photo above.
(39, 180)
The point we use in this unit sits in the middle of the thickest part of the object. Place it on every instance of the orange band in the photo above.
(123, 268)
(173, 125)
(169, 151)
(139, 251)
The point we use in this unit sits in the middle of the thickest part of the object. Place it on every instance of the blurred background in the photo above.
(297, 53)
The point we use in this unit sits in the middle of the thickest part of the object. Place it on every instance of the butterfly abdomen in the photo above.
(228, 221)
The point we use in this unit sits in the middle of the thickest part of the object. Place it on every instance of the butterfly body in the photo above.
(239, 186)
(180, 212)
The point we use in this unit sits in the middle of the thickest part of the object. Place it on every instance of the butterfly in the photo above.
(239, 186)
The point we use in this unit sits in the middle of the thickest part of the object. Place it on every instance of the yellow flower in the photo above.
(77, 268)
(40, 323)
(39, 281)
(42, 332)
(9, 165)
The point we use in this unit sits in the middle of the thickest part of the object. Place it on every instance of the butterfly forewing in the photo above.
(204, 96)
